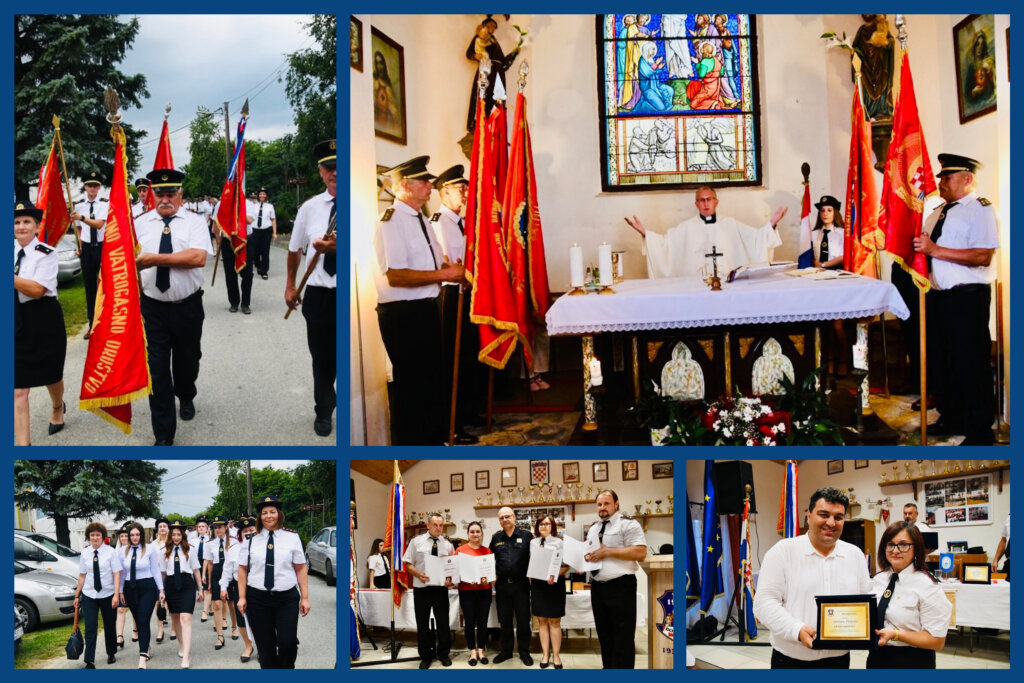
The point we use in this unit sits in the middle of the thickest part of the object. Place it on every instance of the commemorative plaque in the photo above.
(846, 622)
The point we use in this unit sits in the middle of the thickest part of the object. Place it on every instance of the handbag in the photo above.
(76, 643)
(161, 612)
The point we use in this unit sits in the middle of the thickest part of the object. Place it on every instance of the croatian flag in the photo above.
(748, 584)
(806, 246)
(394, 537)
(789, 524)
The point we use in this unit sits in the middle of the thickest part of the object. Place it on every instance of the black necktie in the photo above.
(259, 218)
(17, 263)
(96, 583)
(268, 568)
(384, 558)
(423, 227)
(92, 231)
(462, 227)
(937, 230)
(163, 273)
(177, 569)
(17, 301)
(202, 539)
(541, 541)
(220, 552)
(131, 574)
(330, 260)
(883, 604)
(433, 551)
(600, 539)
(823, 247)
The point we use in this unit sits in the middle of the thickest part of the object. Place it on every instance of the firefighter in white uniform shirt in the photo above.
(91, 217)
(229, 579)
(613, 587)
(264, 232)
(142, 189)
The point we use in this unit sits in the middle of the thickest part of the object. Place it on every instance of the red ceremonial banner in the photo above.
(862, 237)
(231, 218)
(908, 180)
(164, 159)
(116, 369)
(56, 218)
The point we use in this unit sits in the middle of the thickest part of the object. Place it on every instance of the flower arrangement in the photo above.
(746, 421)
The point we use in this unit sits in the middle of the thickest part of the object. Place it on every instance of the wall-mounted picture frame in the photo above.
(431, 486)
(661, 470)
(388, 88)
(355, 43)
(540, 472)
(509, 476)
(835, 466)
(457, 481)
(860, 464)
(600, 471)
(886, 462)
(630, 470)
(483, 479)
(571, 472)
(974, 42)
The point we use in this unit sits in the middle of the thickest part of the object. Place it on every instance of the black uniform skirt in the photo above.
(180, 600)
(40, 343)
(215, 574)
(547, 600)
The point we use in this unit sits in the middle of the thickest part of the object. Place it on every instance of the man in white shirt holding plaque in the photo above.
(429, 597)
(795, 570)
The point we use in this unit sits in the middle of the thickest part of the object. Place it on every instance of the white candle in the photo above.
(575, 266)
(604, 264)
(596, 379)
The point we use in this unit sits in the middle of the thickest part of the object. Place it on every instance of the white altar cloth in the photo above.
(671, 303)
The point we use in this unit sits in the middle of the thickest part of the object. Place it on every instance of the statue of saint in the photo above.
(876, 48)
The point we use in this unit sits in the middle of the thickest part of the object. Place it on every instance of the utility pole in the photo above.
(248, 475)
(227, 154)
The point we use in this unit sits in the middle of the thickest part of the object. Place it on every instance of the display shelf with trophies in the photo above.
(942, 469)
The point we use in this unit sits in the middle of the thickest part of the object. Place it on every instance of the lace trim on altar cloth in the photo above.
(682, 324)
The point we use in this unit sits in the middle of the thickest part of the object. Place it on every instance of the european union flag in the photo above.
(712, 585)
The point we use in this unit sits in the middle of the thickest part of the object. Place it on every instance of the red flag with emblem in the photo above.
(908, 180)
(50, 199)
(231, 217)
(164, 159)
(862, 237)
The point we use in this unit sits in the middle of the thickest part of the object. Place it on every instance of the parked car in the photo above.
(41, 597)
(42, 552)
(19, 628)
(322, 553)
(69, 264)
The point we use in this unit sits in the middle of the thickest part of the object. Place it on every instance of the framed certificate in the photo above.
(846, 622)
(976, 572)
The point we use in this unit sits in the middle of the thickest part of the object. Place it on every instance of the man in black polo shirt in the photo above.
(511, 548)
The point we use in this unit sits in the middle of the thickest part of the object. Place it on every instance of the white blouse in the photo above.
(189, 561)
(918, 603)
(288, 552)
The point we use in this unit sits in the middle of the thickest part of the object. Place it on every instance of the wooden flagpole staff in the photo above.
(312, 264)
(64, 168)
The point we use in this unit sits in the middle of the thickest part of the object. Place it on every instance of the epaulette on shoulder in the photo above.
(626, 517)
(44, 248)
(102, 199)
(932, 577)
(291, 531)
(984, 202)
(386, 216)
(435, 217)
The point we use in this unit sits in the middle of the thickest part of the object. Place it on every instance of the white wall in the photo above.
(371, 499)
(813, 474)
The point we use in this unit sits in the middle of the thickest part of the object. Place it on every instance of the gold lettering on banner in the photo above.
(745, 344)
(798, 342)
(119, 270)
(104, 364)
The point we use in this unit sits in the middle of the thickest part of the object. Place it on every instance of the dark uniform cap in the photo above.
(268, 500)
(124, 527)
(414, 169)
(202, 518)
(451, 176)
(954, 163)
(220, 520)
(829, 200)
(177, 524)
(165, 179)
(262, 189)
(93, 178)
(141, 182)
(248, 521)
(27, 208)
(326, 152)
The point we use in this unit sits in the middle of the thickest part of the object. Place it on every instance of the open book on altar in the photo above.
(752, 271)
(820, 273)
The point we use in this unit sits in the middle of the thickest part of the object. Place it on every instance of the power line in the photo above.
(178, 476)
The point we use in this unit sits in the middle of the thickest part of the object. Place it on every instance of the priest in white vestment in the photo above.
(681, 251)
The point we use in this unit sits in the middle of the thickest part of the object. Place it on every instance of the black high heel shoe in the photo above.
(120, 642)
(53, 429)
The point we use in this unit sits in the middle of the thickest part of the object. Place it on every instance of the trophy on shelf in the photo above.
(970, 465)
(448, 515)
(884, 475)
(579, 490)
(945, 469)
(895, 473)
(533, 493)
(920, 467)
(422, 517)
(521, 489)
(637, 508)
(559, 493)
(478, 501)
(589, 489)
(906, 466)
(657, 510)
(551, 493)
(647, 510)
(670, 497)
(489, 497)
(956, 467)
(931, 467)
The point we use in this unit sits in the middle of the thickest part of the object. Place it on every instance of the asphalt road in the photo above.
(255, 379)
(317, 641)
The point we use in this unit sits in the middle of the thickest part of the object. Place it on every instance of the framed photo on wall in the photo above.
(571, 472)
(600, 471)
(432, 486)
(974, 42)
(661, 470)
(509, 476)
(388, 87)
(355, 43)
(457, 481)
(835, 466)
(483, 479)
(630, 470)
(540, 472)
(860, 464)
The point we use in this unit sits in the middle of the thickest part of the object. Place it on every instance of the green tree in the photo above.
(205, 171)
(65, 489)
(318, 480)
(311, 87)
(62, 63)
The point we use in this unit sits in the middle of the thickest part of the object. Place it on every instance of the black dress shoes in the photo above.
(111, 659)
(445, 661)
(53, 429)
(527, 659)
(187, 410)
(322, 426)
(425, 664)
(246, 310)
(233, 309)
(501, 657)
(162, 442)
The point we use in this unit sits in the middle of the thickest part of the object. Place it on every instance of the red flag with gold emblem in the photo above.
(908, 180)
(231, 217)
(164, 159)
(862, 237)
(116, 369)
(492, 306)
(50, 199)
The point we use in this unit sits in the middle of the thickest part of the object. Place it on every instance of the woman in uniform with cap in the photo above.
(161, 537)
(199, 539)
(827, 245)
(213, 566)
(141, 584)
(179, 565)
(122, 610)
(272, 586)
(40, 340)
(229, 580)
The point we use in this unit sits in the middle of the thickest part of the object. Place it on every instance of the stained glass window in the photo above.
(679, 101)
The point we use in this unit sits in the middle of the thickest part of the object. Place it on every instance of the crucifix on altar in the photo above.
(713, 280)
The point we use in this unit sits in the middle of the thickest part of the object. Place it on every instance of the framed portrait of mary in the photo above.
(388, 87)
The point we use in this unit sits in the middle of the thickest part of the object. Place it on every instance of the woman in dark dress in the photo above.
(40, 340)
(547, 598)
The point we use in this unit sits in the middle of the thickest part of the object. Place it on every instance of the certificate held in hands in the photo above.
(472, 568)
(544, 563)
(576, 551)
(846, 622)
(438, 569)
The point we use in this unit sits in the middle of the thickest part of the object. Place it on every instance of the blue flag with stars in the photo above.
(712, 585)
(692, 571)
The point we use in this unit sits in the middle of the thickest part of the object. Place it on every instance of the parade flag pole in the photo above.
(331, 228)
(64, 167)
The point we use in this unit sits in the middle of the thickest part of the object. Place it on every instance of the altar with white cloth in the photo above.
(725, 332)
(375, 610)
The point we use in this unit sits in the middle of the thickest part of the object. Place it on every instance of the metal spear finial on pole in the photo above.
(167, 110)
(524, 70)
(112, 102)
(485, 74)
(901, 25)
